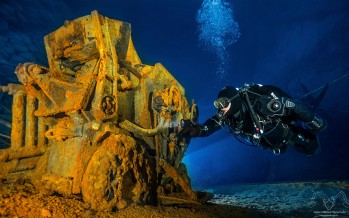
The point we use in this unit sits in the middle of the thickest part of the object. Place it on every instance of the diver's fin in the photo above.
(324, 87)
(308, 98)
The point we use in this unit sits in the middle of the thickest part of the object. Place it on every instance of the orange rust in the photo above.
(17, 132)
(97, 121)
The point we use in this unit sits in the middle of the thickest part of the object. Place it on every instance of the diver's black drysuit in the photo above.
(265, 116)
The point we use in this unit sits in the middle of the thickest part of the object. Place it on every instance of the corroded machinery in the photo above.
(98, 122)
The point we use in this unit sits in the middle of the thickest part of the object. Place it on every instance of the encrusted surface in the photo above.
(97, 122)
(23, 201)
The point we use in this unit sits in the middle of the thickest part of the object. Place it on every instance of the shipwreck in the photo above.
(98, 122)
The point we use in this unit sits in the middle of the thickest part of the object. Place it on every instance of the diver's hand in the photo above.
(193, 131)
(189, 131)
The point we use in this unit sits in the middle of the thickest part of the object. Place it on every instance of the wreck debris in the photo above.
(98, 122)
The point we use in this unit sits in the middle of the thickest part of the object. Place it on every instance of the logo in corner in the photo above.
(329, 202)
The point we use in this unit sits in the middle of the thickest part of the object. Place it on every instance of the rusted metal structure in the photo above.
(98, 122)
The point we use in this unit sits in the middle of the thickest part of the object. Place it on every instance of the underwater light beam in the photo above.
(217, 30)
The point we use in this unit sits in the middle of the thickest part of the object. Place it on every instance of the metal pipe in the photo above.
(17, 132)
(131, 127)
(41, 130)
(30, 122)
(128, 66)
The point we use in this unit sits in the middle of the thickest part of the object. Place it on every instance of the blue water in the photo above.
(217, 30)
(209, 44)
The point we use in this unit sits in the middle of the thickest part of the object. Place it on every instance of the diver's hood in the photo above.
(227, 91)
(231, 93)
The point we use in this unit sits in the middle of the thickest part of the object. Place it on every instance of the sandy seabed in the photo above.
(299, 199)
(22, 200)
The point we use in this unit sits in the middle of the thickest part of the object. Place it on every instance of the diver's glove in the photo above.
(189, 130)
(192, 131)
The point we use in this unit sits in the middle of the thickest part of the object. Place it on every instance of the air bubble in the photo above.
(217, 30)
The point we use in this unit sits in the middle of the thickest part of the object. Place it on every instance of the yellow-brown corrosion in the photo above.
(98, 120)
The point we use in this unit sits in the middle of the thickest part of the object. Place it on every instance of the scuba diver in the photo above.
(263, 116)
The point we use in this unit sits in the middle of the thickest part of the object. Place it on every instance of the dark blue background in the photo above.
(283, 43)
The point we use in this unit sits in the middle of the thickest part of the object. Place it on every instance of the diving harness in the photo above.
(273, 108)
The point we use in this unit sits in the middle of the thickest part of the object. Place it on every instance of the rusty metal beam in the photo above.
(173, 173)
(41, 131)
(30, 122)
(24, 152)
(24, 164)
(17, 132)
(12, 89)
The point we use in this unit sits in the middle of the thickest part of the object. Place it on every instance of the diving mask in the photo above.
(221, 103)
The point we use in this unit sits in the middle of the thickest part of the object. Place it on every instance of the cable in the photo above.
(321, 87)
(232, 132)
